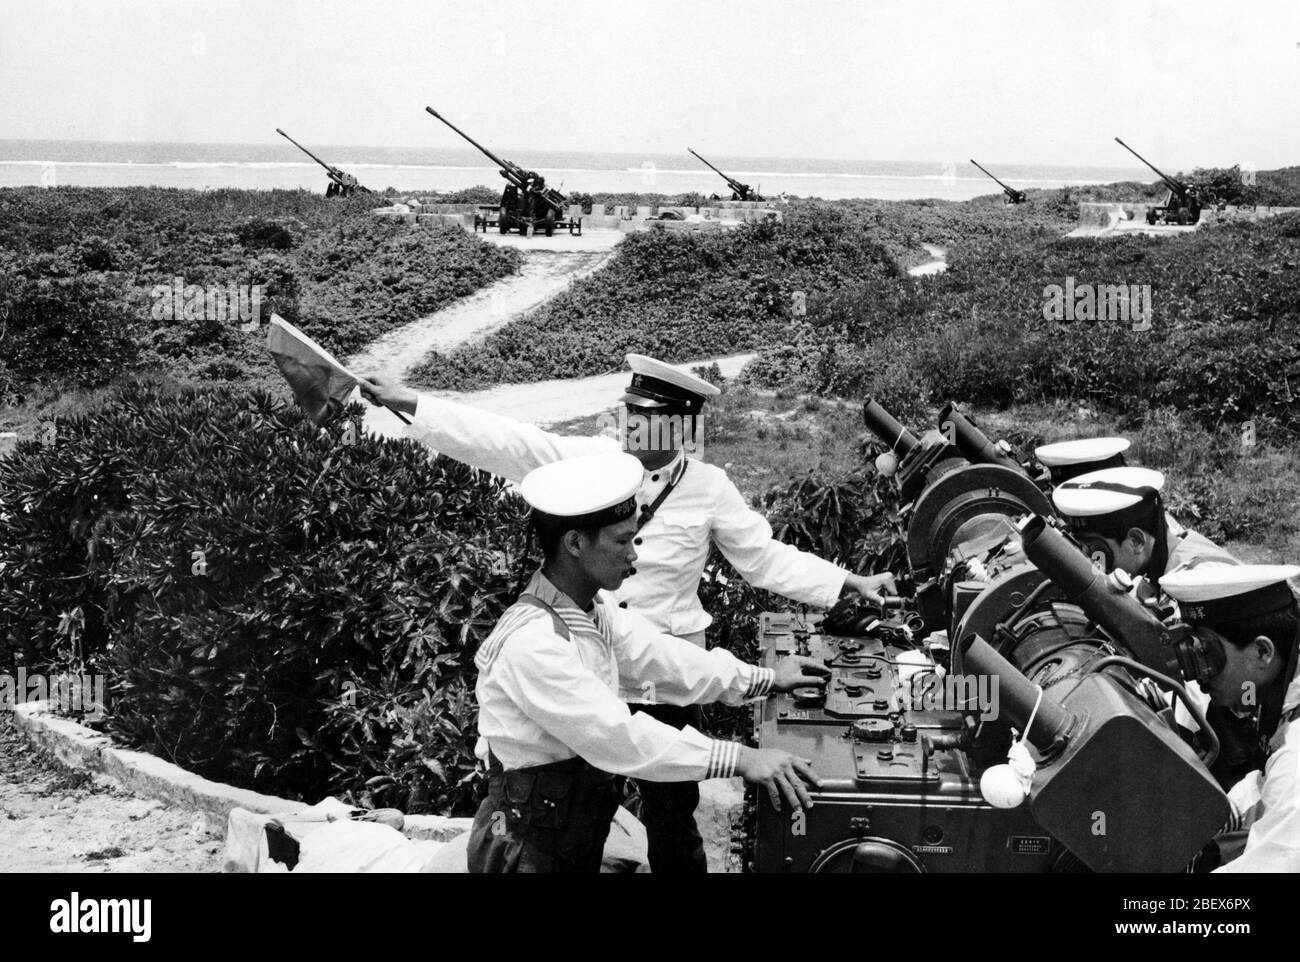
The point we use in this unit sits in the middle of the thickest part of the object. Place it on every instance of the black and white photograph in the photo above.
(673, 438)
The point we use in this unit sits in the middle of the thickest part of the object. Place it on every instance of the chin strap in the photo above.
(1270, 705)
(1160, 551)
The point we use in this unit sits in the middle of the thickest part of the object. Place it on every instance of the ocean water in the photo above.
(280, 165)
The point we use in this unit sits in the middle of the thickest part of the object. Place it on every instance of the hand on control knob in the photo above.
(872, 588)
(796, 671)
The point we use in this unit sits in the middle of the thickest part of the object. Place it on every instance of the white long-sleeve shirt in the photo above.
(673, 547)
(543, 698)
(1270, 801)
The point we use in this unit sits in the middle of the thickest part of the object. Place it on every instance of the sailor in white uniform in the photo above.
(1069, 459)
(684, 506)
(551, 722)
(1247, 616)
(1118, 515)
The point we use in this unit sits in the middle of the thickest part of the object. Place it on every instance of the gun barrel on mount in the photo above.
(1123, 617)
(886, 427)
(512, 172)
(970, 440)
(336, 175)
(1016, 195)
(741, 190)
(1178, 188)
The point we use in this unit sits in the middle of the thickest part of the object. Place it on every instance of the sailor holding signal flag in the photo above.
(551, 722)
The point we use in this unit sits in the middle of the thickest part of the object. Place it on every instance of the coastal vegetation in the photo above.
(295, 609)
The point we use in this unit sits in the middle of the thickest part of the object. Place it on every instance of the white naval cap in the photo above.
(1112, 496)
(1069, 459)
(659, 385)
(596, 490)
(1213, 594)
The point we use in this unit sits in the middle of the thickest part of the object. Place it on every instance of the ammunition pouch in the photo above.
(562, 809)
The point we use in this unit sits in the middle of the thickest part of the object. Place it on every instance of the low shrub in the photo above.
(273, 607)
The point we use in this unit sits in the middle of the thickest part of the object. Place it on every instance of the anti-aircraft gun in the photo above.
(739, 191)
(527, 204)
(342, 184)
(1183, 202)
(1010, 626)
(1013, 196)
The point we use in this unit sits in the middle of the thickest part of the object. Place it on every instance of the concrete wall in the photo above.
(719, 216)
(1099, 214)
(1244, 213)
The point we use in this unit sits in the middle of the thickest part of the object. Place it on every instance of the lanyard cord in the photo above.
(648, 511)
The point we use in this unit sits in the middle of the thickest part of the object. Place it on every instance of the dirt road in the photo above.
(937, 265)
(545, 273)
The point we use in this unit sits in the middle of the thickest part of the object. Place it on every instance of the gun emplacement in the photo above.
(739, 191)
(1183, 203)
(1013, 196)
(526, 202)
(343, 183)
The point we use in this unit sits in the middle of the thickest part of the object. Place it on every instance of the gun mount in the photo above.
(341, 184)
(1182, 204)
(527, 203)
(909, 730)
(1013, 196)
(739, 191)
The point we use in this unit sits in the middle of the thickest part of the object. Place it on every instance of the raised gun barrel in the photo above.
(1013, 195)
(1181, 189)
(1110, 606)
(962, 433)
(742, 191)
(886, 427)
(511, 172)
(524, 180)
(344, 180)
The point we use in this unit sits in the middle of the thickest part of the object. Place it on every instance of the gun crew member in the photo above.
(1069, 459)
(551, 724)
(1246, 617)
(1118, 515)
(685, 505)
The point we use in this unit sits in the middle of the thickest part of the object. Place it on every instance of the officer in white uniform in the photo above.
(1248, 614)
(1069, 459)
(685, 505)
(1118, 515)
(552, 725)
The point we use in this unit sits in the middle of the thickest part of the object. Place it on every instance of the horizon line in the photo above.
(569, 150)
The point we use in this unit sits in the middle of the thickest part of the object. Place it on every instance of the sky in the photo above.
(1187, 82)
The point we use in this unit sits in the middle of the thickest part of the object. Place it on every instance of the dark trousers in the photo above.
(668, 808)
(547, 818)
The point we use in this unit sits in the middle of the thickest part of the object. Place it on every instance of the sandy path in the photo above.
(56, 820)
(543, 275)
(936, 266)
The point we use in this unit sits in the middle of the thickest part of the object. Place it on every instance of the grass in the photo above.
(764, 439)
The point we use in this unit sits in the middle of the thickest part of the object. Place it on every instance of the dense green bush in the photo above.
(675, 296)
(322, 640)
(1224, 343)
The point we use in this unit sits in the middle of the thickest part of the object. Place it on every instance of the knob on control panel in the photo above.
(809, 697)
(873, 730)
